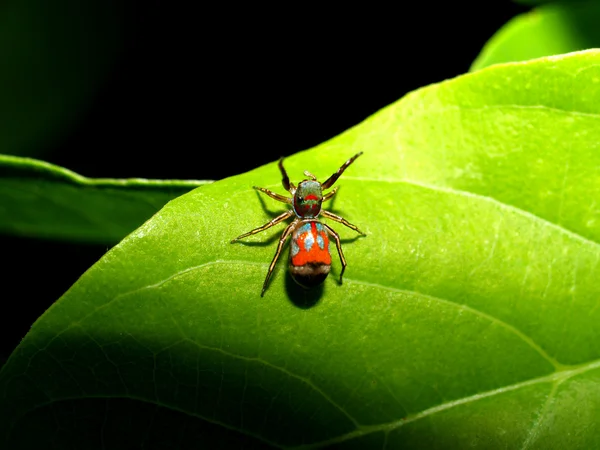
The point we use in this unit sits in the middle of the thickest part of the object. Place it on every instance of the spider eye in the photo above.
(300, 199)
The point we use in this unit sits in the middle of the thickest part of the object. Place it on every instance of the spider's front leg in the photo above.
(285, 180)
(274, 195)
(333, 178)
(266, 226)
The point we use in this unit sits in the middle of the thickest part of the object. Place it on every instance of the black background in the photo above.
(209, 93)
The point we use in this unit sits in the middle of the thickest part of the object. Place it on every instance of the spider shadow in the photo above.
(262, 243)
(274, 235)
(305, 298)
(349, 240)
(301, 297)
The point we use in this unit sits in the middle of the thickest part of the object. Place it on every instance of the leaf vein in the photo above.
(535, 218)
(555, 378)
(512, 329)
(304, 380)
(534, 431)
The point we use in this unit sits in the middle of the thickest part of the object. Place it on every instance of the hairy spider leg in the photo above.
(341, 220)
(275, 221)
(333, 178)
(282, 240)
(330, 194)
(285, 180)
(338, 244)
(274, 195)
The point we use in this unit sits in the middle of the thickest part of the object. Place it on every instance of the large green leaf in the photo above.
(38, 199)
(469, 314)
(547, 30)
(54, 57)
(540, 2)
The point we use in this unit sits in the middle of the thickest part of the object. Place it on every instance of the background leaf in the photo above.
(547, 30)
(54, 57)
(469, 315)
(44, 200)
(541, 2)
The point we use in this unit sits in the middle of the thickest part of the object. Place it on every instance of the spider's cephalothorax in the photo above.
(307, 199)
(310, 260)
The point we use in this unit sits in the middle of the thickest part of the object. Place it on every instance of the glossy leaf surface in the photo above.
(468, 318)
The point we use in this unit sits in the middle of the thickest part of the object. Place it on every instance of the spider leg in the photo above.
(269, 224)
(282, 240)
(338, 244)
(341, 220)
(279, 198)
(285, 180)
(330, 194)
(333, 178)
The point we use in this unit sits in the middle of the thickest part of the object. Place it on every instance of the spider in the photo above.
(310, 259)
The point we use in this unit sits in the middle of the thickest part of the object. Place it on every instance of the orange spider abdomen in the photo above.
(310, 260)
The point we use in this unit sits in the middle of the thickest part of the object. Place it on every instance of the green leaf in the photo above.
(54, 57)
(540, 2)
(547, 30)
(43, 200)
(468, 317)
